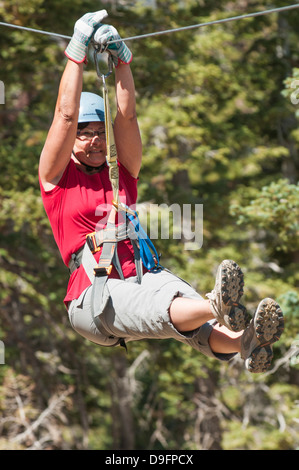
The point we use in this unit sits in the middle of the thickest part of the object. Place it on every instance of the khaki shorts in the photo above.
(133, 311)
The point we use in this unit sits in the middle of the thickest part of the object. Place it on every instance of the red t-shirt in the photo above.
(80, 204)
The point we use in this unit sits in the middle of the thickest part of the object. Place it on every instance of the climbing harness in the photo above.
(115, 231)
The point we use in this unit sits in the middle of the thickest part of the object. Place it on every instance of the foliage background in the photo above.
(219, 122)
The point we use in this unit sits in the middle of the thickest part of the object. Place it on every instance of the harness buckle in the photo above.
(102, 270)
(92, 243)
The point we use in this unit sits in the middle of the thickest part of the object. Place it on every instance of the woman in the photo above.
(77, 194)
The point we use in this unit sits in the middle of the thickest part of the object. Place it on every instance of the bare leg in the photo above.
(189, 314)
(224, 341)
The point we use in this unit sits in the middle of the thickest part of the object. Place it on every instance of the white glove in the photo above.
(119, 51)
(83, 32)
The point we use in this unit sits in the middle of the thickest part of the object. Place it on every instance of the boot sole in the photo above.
(269, 325)
(232, 284)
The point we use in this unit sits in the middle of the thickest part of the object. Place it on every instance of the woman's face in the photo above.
(90, 145)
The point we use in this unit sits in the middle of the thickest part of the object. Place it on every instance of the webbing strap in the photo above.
(111, 147)
(88, 262)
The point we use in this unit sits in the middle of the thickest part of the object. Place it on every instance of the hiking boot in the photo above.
(265, 329)
(225, 296)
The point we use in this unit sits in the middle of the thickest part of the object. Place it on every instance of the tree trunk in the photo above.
(122, 416)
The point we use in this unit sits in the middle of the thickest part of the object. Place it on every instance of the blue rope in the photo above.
(148, 252)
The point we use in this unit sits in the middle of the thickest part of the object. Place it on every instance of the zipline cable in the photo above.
(40, 31)
(209, 23)
(167, 31)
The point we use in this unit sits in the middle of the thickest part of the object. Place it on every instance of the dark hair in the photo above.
(82, 125)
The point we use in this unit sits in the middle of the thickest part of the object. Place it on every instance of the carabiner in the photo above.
(99, 50)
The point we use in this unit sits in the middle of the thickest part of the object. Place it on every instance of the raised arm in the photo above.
(61, 138)
(126, 130)
(58, 147)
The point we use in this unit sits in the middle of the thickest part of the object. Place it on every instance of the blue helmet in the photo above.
(91, 108)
